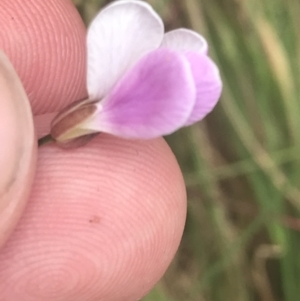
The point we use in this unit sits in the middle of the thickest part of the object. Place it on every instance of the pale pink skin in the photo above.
(103, 222)
(17, 150)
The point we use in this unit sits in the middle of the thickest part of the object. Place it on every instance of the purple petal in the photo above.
(154, 98)
(208, 85)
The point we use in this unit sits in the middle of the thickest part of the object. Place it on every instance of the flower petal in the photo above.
(117, 38)
(185, 40)
(154, 98)
(208, 85)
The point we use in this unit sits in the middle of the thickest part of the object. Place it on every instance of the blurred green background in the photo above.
(241, 164)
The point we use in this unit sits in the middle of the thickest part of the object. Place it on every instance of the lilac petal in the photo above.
(185, 40)
(208, 85)
(154, 98)
(117, 38)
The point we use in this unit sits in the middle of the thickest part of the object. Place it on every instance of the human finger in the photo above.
(103, 223)
(17, 148)
(45, 41)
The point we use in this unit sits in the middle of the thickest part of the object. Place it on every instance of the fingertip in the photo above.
(17, 149)
(109, 215)
(45, 41)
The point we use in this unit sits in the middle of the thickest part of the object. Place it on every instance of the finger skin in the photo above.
(103, 223)
(45, 40)
(17, 148)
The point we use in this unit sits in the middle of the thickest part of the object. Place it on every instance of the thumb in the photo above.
(17, 148)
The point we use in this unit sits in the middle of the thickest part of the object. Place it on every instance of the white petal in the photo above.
(117, 38)
(185, 40)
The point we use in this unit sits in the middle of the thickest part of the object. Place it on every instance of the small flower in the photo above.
(141, 82)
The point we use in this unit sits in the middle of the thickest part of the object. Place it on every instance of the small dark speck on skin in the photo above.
(95, 219)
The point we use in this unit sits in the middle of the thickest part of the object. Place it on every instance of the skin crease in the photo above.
(104, 221)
